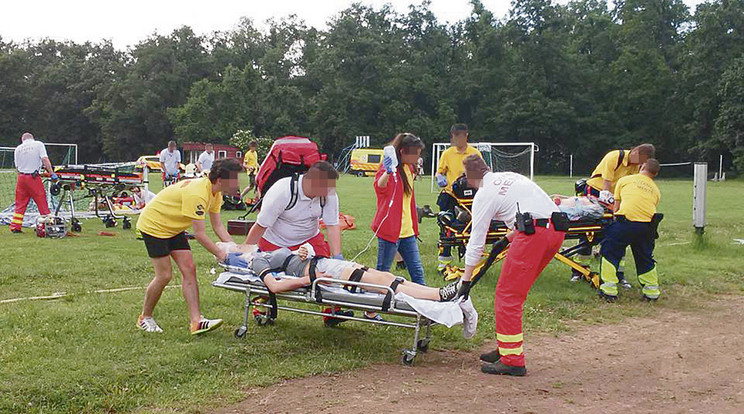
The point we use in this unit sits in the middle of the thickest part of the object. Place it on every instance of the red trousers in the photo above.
(526, 258)
(318, 242)
(28, 187)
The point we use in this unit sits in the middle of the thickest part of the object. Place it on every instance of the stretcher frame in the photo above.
(589, 233)
(309, 295)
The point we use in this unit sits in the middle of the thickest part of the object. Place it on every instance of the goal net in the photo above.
(516, 157)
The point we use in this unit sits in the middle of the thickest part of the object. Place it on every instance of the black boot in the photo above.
(500, 368)
(490, 357)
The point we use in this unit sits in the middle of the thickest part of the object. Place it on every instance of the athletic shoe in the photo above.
(625, 284)
(148, 324)
(16, 231)
(649, 299)
(576, 275)
(490, 357)
(377, 317)
(499, 368)
(205, 325)
(448, 292)
(331, 322)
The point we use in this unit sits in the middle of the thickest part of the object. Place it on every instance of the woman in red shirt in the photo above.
(395, 222)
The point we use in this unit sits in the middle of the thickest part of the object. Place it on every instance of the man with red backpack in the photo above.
(290, 216)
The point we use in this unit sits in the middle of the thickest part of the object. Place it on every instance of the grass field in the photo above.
(83, 353)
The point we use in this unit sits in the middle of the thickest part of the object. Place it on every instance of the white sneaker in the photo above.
(148, 324)
(205, 325)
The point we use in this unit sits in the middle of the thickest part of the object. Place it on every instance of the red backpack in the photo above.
(289, 156)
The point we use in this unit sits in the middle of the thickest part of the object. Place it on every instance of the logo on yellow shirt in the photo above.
(200, 210)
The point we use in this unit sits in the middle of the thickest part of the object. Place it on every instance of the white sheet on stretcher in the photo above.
(448, 314)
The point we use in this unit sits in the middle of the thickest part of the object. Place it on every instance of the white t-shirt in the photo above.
(28, 156)
(206, 160)
(497, 199)
(171, 160)
(287, 228)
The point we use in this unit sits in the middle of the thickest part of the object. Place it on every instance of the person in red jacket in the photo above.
(395, 223)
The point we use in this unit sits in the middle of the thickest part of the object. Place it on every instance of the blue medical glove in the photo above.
(55, 177)
(338, 256)
(441, 180)
(236, 260)
(388, 164)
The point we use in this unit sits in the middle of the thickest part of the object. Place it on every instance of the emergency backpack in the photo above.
(289, 157)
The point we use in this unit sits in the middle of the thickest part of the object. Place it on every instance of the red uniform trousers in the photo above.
(527, 257)
(318, 242)
(27, 187)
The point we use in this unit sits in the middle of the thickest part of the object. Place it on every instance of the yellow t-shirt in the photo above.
(173, 209)
(406, 221)
(250, 161)
(450, 163)
(639, 196)
(607, 169)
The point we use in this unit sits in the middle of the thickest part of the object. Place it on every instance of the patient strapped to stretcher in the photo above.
(301, 268)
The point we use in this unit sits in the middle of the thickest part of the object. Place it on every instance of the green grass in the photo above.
(84, 354)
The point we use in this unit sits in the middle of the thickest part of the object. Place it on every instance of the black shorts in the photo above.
(157, 247)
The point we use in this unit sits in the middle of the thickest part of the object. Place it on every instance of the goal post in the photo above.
(516, 157)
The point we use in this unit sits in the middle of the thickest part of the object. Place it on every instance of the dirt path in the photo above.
(674, 362)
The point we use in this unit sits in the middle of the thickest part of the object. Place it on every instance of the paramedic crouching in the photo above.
(291, 211)
(510, 197)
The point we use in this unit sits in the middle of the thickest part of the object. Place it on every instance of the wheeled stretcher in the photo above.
(455, 232)
(327, 292)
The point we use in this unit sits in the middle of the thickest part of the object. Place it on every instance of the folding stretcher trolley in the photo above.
(326, 292)
(455, 228)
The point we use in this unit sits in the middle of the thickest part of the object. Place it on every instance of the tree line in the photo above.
(580, 78)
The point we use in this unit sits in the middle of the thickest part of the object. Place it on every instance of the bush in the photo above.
(241, 138)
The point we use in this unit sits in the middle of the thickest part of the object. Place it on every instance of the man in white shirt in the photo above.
(529, 212)
(170, 158)
(206, 159)
(290, 216)
(29, 158)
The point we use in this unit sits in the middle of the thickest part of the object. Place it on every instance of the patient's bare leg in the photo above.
(409, 288)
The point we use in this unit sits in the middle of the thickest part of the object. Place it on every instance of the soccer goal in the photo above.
(516, 157)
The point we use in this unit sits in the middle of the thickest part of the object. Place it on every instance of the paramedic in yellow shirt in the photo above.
(163, 223)
(449, 170)
(635, 225)
(614, 166)
(250, 163)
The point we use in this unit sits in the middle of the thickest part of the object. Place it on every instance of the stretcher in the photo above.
(100, 182)
(326, 292)
(455, 233)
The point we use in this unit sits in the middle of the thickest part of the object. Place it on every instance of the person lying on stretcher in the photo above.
(305, 267)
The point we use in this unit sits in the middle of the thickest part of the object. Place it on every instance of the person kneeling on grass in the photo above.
(163, 223)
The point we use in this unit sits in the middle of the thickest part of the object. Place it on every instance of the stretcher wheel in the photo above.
(408, 358)
(240, 332)
(126, 224)
(423, 344)
(76, 227)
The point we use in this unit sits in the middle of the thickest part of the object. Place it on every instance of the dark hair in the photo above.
(253, 144)
(405, 142)
(224, 169)
(208, 144)
(325, 168)
(652, 166)
(458, 128)
(474, 164)
(646, 150)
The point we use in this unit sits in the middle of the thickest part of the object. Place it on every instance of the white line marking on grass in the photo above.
(60, 295)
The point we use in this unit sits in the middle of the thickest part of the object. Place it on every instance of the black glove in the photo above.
(464, 292)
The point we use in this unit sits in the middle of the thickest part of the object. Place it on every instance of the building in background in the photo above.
(192, 150)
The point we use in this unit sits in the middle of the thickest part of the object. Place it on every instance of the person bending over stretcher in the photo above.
(307, 268)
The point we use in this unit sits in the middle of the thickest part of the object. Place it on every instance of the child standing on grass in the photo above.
(163, 223)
